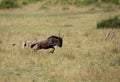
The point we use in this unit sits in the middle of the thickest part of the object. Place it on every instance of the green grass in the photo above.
(85, 55)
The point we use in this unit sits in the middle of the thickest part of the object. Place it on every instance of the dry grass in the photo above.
(85, 56)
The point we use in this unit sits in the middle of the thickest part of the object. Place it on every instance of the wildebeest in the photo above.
(50, 42)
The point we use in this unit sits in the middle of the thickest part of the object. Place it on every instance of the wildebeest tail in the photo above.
(32, 45)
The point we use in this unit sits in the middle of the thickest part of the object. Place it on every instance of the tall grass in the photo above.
(85, 55)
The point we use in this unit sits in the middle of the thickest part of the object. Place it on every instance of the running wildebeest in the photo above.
(50, 42)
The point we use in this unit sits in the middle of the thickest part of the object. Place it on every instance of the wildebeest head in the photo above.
(56, 40)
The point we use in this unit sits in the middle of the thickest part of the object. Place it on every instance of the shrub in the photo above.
(30, 1)
(111, 1)
(24, 3)
(9, 4)
(109, 23)
(77, 3)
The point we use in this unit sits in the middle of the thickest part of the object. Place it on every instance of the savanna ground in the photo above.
(85, 56)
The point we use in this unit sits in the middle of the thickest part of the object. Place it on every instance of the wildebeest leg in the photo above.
(35, 50)
(52, 50)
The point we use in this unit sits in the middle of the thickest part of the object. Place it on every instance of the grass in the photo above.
(85, 55)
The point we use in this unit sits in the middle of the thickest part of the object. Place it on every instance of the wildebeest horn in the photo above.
(59, 33)
(62, 36)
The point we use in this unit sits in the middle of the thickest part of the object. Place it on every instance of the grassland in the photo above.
(84, 57)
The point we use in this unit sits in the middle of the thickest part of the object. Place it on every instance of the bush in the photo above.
(9, 4)
(111, 1)
(30, 1)
(24, 3)
(109, 23)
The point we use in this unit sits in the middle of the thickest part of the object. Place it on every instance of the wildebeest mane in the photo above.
(53, 37)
